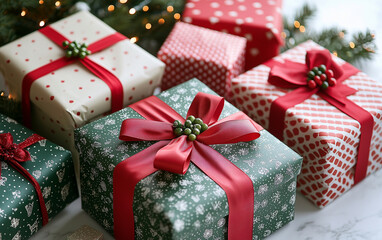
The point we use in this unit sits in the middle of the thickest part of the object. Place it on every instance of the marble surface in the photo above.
(355, 215)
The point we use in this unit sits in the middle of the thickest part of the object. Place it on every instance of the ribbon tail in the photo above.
(236, 184)
(125, 177)
(30, 140)
(280, 106)
(30, 178)
(367, 123)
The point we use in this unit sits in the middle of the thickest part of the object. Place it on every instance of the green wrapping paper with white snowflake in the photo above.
(189, 206)
(51, 166)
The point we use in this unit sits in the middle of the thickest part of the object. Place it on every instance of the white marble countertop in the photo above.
(355, 215)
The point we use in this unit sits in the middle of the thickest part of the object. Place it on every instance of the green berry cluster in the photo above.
(321, 77)
(192, 127)
(75, 49)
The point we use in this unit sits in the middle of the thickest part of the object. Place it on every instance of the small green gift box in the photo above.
(167, 205)
(37, 180)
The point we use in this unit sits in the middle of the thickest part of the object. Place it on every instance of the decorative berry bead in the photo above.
(198, 126)
(311, 74)
(187, 131)
(69, 54)
(315, 70)
(65, 43)
(191, 118)
(204, 127)
(198, 121)
(72, 46)
(178, 131)
(324, 85)
(319, 73)
(317, 79)
(312, 84)
(322, 68)
(76, 52)
(192, 137)
(323, 77)
(332, 82)
(188, 123)
(196, 131)
(176, 124)
(329, 73)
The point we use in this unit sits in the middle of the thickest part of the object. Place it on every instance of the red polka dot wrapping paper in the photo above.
(326, 137)
(260, 22)
(72, 96)
(196, 52)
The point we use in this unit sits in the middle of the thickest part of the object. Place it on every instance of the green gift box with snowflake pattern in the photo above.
(51, 166)
(189, 206)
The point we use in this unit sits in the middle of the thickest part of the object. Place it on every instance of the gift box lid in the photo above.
(263, 14)
(198, 43)
(326, 137)
(72, 93)
(171, 199)
(51, 166)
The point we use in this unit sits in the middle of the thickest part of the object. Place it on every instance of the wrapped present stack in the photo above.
(260, 22)
(74, 71)
(144, 181)
(195, 52)
(323, 108)
(37, 180)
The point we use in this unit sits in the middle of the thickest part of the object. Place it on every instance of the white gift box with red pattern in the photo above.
(195, 52)
(71, 96)
(326, 137)
(259, 21)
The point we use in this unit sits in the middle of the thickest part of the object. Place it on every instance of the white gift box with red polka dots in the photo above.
(196, 52)
(72, 96)
(326, 137)
(259, 21)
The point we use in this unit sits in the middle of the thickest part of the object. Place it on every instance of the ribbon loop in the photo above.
(175, 157)
(207, 107)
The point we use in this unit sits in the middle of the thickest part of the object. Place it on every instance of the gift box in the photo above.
(65, 93)
(260, 22)
(37, 180)
(212, 57)
(336, 127)
(190, 205)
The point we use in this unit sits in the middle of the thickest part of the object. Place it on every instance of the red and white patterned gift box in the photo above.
(326, 137)
(195, 52)
(71, 96)
(259, 21)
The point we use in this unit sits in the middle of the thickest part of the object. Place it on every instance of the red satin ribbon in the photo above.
(293, 75)
(175, 154)
(110, 79)
(14, 154)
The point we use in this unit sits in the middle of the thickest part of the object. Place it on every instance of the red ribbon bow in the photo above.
(294, 75)
(174, 154)
(105, 75)
(14, 154)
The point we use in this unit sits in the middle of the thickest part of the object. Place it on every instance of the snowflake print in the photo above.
(261, 226)
(263, 189)
(284, 208)
(2, 181)
(178, 225)
(278, 179)
(46, 192)
(207, 233)
(157, 194)
(199, 209)
(110, 122)
(158, 208)
(209, 219)
(199, 187)
(1, 212)
(243, 151)
(15, 222)
(276, 197)
(221, 222)
(197, 224)
(181, 205)
(279, 224)
(16, 194)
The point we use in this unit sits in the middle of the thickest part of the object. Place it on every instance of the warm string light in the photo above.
(134, 39)
(41, 23)
(2, 94)
(335, 53)
(351, 45)
(145, 8)
(170, 9)
(177, 16)
(283, 35)
(132, 11)
(110, 8)
(41, 2)
(148, 25)
(297, 24)
(57, 3)
(341, 34)
(123, 1)
(302, 28)
(161, 20)
(23, 13)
